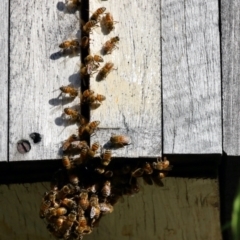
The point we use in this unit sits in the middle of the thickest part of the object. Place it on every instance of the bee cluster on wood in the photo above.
(90, 183)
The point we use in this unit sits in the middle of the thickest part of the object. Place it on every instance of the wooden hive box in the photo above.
(174, 92)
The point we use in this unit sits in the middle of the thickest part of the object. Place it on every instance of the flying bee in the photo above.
(89, 128)
(120, 140)
(162, 164)
(108, 22)
(71, 91)
(83, 200)
(110, 45)
(68, 142)
(96, 59)
(106, 157)
(69, 203)
(44, 208)
(147, 168)
(57, 211)
(105, 70)
(84, 42)
(95, 16)
(70, 44)
(73, 114)
(87, 27)
(106, 190)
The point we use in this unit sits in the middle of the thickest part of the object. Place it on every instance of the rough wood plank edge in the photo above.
(4, 79)
(191, 77)
(37, 71)
(230, 33)
(133, 91)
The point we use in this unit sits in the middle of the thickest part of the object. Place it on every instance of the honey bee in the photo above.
(68, 142)
(44, 208)
(73, 92)
(97, 98)
(106, 157)
(100, 170)
(52, 198)
(53, 231)
(162, 164)
(110, 45)
(89, 128)
(105, 208)
(92, 151)
(69, 203)
(73, 4)
(108, 22)
(73, 178)
(106, 190)
(108, 174)
(95, 212)
(70, 44)
(64, 191)
(73, 114)
(95, 16)
(57, 211)
(83, 227)
(83, 200)
(96, 59)
(87, 27)
(85, 95)
(56, 221)
(93, 200)
(79, 145)
(147, 168)
(105, 70)
(137, 173)
(68, 223)
(67, 163)
(84, 42)
(120, 140)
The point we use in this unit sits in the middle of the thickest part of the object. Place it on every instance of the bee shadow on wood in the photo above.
(60, 100)
(70, 53)
(68, 8)
(104, 29)
(75, 79)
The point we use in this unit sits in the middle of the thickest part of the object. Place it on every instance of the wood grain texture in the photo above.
(184, 209)
(37, 70)
(133, 90)
(230, 76)
(191, 77)
(4, 79)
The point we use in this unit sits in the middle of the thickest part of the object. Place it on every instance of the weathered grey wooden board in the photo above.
(230, 33)
(37, 70)
(4, 79)
(133, 91)
(181, 210)
(191, 77)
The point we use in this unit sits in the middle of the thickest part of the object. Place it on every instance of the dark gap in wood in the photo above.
(221, 61)
(194, 165)
(8, 103)
(85, 109)
(229, 175)
(161, 59)
(187, 166)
